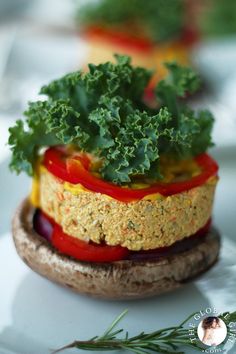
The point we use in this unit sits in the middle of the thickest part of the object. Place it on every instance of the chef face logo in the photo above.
(212, 331)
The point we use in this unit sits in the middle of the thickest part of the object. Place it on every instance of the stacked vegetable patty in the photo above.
(118, 175)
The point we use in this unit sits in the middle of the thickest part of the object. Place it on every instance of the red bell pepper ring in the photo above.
(72, 169)
(84, 251)
(92, 252)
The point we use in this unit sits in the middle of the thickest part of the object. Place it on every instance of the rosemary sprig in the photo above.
(163, 341)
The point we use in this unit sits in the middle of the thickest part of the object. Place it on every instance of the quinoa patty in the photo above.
(139, 225)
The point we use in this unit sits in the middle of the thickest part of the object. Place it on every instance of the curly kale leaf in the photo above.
(102, 112)
(85, 90)
(26, 141)
(191, 133)
(135, 145)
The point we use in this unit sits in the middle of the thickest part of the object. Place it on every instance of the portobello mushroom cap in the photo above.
(126, 279)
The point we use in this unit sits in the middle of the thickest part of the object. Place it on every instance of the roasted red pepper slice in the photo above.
(91, 252)
(84, 251)
(72, 169)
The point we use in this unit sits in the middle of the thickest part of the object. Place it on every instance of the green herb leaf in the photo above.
(163, 341)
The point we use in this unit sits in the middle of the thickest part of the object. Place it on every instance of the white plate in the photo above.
(36, 315)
